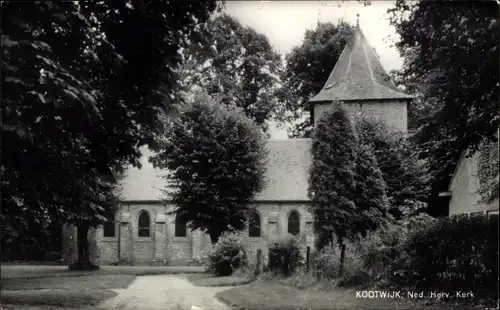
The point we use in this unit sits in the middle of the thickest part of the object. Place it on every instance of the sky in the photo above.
(285, 22)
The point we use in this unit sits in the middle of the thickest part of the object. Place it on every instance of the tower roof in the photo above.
(358, 75)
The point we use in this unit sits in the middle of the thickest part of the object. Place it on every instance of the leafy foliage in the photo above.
(407, 179)
(82, 93)
(217, 160)
(488, 172)
(285, 255)
(371, 259)
(326, 263)
(49, 166)
(243, 69)
(370, 197)
(332, 184)
(307, 69)
(454, 254)
(228, 255)
(450, 61)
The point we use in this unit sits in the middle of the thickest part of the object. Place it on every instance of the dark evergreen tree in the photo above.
(407, 178)
(332, 184)
(370, 197)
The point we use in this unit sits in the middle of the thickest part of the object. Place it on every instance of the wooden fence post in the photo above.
(308, 259)
(259, 267)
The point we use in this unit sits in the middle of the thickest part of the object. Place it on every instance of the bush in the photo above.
(326, 263)
(285, 255)
(454, 254)
(366, 261)
(228, 254)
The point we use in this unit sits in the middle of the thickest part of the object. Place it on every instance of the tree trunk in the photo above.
(214, 236)
(83, 244)
(342, 259)
(83, 262)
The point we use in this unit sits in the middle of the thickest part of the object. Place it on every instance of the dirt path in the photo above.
(166, 292)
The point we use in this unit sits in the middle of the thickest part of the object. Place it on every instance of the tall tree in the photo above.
(307, 69)
(217, 159)
(450, 56)
(406, 177)
(332, 184)
(66, 121)
(243, 69)
(372, 204)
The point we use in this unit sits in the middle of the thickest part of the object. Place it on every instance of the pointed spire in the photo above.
(358, 75)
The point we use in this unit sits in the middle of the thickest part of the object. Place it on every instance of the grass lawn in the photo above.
(70, 291)
(34, 271)
(275, 295)
(31, 307)
(44, 287)
(208, 279)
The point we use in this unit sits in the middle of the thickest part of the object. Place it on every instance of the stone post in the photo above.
(125, 238)
(196, 244)
(259, 268)
(160, 231)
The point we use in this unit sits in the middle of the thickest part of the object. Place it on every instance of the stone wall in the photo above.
(464, 188)
(394, 113)
(163, 247)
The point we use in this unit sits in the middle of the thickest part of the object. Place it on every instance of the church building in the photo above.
(144, 232)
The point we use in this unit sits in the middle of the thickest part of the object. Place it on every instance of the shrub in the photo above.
(228, 254)
(285, 255)
(366, 261)
(454, 254)
(326, 263)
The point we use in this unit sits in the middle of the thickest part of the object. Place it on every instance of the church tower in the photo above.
(361, 84)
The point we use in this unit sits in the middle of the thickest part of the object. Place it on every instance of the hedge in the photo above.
(459, 253)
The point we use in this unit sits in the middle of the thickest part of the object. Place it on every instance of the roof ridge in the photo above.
(353, 41)
(366, 55)
(326, 86)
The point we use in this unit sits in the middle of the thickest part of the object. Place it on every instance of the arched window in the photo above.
(293, 223)
(180, 226)
(109, 228)
(143, 224)
(254, 225)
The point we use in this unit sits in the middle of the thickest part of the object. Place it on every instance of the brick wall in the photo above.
(162, 247)
(394, 113)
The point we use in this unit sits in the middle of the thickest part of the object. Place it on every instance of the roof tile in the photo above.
(358, 75)
(286, 176)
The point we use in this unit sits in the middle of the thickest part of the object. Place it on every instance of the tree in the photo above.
(450, 56)
(217, 159)
(332, 184)
(243, 71)
(66, 121)
(307, 69)
(406, 177)
(370, 198)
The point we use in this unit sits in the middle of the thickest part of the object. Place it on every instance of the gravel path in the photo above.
(166, 292)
